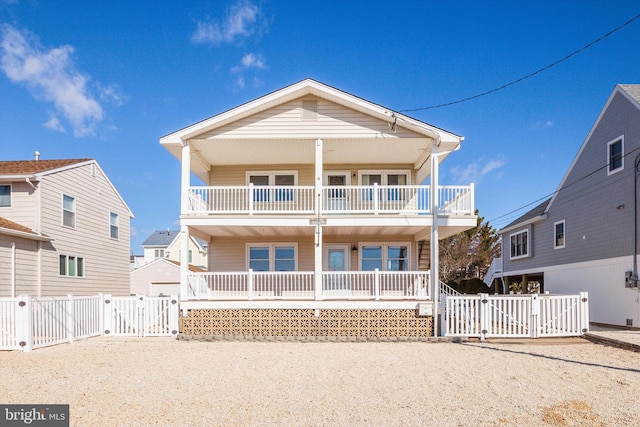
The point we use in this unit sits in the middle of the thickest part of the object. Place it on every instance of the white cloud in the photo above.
(54, 124)
(243, 20)
(50, 75)
(250, 60)
(475, 171)
(542, 124)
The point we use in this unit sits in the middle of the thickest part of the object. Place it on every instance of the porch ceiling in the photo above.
(302, 151)
(419, 232)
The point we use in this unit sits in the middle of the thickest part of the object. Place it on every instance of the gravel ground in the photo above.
(157, 381)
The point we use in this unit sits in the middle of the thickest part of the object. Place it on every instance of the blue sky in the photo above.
(106, 79)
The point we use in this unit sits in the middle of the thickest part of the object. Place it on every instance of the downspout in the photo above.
(13, 269)
(38, 230)
(434, 244)
(36, 217)
(635, 219)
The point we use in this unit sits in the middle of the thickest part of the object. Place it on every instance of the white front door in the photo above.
(336, 260)
(337, 197)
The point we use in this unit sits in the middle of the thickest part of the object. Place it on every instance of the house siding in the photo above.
(333, 121)
(106, 259)
(23, 205)
(26, 261)
(590, 196)
(237, 175)
(231, 254)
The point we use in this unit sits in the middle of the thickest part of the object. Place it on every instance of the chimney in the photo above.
(36, 154)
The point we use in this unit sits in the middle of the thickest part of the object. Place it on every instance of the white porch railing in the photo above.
(252, 199)
(250, 285)
(353, 199)
(529, 316)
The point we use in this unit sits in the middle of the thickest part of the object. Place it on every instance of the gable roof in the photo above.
(20, 169)
(14, 229)
(632, 90)
(632, 93)
(33, 167)
(161, 238)
(535, 214)
(218, 140)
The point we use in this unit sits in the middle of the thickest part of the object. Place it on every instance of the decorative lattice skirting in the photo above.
(369, 323)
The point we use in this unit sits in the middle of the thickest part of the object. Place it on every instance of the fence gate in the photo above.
(140, 316)
(515, 316)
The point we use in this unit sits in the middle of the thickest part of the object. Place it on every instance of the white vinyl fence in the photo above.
(513, 316)
(28, 322)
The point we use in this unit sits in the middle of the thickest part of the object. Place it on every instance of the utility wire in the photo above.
(562, 188)
(587, 46)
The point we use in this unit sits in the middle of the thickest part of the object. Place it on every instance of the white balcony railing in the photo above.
(353, 199)
(367, 285)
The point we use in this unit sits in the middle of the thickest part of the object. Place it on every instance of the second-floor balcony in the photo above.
(342, 200)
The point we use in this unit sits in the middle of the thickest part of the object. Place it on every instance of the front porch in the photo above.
(301, 285)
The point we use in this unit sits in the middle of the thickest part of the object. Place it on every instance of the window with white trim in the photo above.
(158, 253)
(519, 244)
(615, 156)
(113, 225)
(390, 178)
(272, 256)
(558, 235)
(273, 178)
(5, 196)
(384, 257)
(68, 211)
(71, 266)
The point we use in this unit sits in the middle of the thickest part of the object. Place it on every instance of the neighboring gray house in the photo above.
(585, 238)
(64, 229)
(166, 244)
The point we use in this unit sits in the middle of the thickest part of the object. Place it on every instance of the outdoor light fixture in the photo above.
(620, 207)
(354, 248)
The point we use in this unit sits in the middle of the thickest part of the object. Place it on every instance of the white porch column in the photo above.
(318, 232)
(184, 230)
(434, 244)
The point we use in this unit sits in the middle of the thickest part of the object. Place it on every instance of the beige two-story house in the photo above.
(322, 212)
(64, 229)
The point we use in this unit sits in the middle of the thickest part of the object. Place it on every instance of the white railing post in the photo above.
(376, 202)
(24, 323)
(472, 197)
(443, 314)
(534, 322)
(70, 319)
(376, 283)
(101, 312)
(250, 195)
(584, 312)
(485, 316)
(107, 307)
(250, 284)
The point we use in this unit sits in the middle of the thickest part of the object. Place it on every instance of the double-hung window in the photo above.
(71, 266)
(68, 211)
(113, 225)
(558, 233)
(272, 256)
(615, 156)
(5, 196)
(519, 244)
(277, 180)
(384, 257)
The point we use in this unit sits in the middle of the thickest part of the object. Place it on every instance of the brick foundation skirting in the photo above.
(365, 323)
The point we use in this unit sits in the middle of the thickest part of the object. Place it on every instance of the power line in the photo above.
(587, 46)
(562, 188)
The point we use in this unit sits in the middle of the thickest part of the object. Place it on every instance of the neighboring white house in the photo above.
(318, 216)
(585, 238)
(158, 277)
(167, 244)
(64, 229)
